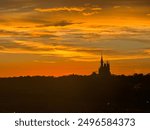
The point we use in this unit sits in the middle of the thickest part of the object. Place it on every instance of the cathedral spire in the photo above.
(102, 62)
(104, 69)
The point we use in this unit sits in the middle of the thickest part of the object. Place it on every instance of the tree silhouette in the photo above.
(76, 93)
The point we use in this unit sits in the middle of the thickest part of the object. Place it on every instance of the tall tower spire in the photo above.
(104, 69)
(102, 62)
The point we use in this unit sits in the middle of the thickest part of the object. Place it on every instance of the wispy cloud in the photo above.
(90, 13)
(77, 9)
(87, 11)
(116, 7)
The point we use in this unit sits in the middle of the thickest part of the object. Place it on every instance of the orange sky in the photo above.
(63, 37)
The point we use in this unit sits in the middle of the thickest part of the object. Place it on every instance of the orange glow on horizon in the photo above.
(67, 38)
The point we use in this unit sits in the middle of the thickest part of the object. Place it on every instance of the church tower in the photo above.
(104, 69)
(102, 62)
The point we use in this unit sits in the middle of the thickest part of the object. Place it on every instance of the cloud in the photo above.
(17, 34)
(97, 51)
(90, 13)
(77, 9)
(9, 33)
(63, 23)
(87, 11)
(59, 23)
(30, 11)
(12, 46)
(116, 7)
(96, 9)
(48, 4)
(76, 53)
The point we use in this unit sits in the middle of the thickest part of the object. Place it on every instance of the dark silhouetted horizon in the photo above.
(75, 93)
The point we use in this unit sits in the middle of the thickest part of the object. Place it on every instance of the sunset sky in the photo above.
(61, 37)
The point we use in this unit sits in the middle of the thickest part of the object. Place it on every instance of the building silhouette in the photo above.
(104, 69)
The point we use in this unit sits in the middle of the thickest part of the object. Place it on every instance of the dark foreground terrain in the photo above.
(75, 94)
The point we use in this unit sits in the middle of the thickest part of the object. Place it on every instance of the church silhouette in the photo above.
(104, 69)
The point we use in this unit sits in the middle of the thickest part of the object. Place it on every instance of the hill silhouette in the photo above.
(75, 93)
